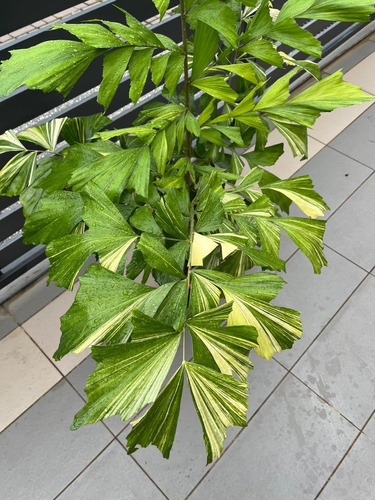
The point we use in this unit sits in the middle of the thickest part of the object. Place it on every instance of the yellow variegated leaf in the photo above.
(200, 248)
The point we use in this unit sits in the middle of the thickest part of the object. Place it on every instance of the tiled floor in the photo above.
(311, 429)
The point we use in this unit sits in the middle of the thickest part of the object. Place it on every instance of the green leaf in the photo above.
(9, 143)
(52, 65)
(147, 328)
(289, 33)
(308, 236)
(162, 6)
(102, 309)
(229, 346)
(250, 179)
(266, 157)
(109, 235)
(157, 256)
(278, 327)
(331, 93)
(17, 174)
(269, 235)
(55, 216)
(203, 295)
(159, 148)
(145, 34)
(45, 135)
(140, 177)
(293, 8)
(144, 221)
(261, 22)
(172, 310)
(158, 425)
(233, 133)
(110, 172)
(296, 135)
(158, 67)
(263, 50)
(309, 66)
(264, 259)
(139, 66)
(169, 217)
(220, 401)
(173, 72)
(217, 15)
(212, 214)
(93, 35)
(192, 124)
(277, 93)
(127, 377)
(301, 191)
(82, 129)
(245, 70)
(206, 41)
(217, 87)
(114, 67)
(67, 255)
(339, 10)
(145, 133)
(261, 286)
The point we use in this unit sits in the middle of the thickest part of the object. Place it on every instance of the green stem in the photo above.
(186, 73)
(188, 152)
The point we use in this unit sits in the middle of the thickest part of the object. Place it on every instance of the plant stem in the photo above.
(186, 74)
(188, 154)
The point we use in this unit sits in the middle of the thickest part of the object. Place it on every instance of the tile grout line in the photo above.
(85, 468)
(142, 469)
(329, 321)
(346, 154)
(325, 401)
(346, 258)
(344, 456)
(318, 395)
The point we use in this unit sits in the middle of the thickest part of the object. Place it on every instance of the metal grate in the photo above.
(21, 264)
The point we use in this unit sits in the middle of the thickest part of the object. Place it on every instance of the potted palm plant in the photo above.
(182, 217)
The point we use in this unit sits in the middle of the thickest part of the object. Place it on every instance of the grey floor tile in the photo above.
(351, 58)
(357, 140)
(113, 475)
(287, 452)
(355, 478)
(31, 300)
(340, 364)
(351, 229)
(78, 378)
(370, 428)
(7, 323)
(178, 475)
(317, 296)
(40, 455)
(335, 176)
